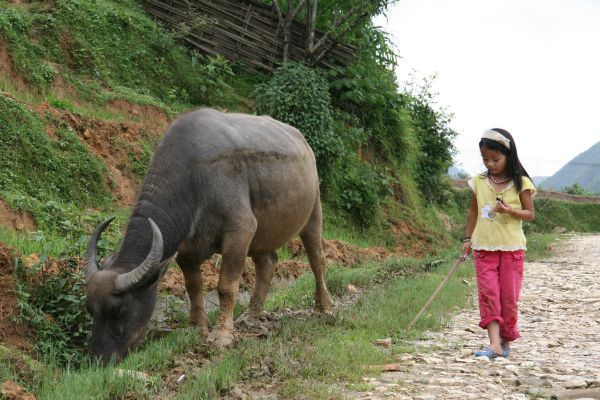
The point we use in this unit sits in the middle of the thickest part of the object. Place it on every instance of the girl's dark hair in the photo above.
(514, 169)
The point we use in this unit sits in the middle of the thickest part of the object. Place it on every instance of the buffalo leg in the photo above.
(265, 268)
(234, 252)
(194, 287)
(313, 244)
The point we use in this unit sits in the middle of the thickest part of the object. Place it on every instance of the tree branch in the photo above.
(312, 26)
(296, 10)
(323, 47)
(337, 23)
(277, 11)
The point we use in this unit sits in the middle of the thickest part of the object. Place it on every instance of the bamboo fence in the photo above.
(243, 31)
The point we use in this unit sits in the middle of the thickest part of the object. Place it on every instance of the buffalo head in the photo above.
(120, 299)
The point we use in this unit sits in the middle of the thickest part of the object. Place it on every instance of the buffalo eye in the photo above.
(113, 307)
(117, 310)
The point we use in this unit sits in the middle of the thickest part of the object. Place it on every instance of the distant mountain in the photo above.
(458, 173)
(537, 180)
(583, 169)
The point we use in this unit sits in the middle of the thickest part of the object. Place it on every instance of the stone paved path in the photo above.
(558, 355)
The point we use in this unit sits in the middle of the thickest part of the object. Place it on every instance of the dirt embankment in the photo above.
(118, 142)
(16, 220)
(11, 333)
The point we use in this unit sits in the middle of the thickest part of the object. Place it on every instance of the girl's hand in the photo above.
(503, 208)
(466, 248)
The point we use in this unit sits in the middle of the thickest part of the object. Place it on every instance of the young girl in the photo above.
(501, 200)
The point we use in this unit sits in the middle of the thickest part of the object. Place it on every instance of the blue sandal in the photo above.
(505, 350)
(489, 353)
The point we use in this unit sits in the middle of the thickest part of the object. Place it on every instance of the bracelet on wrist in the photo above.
(466, 239)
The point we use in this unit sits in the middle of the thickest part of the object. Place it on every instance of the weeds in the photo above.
(52, 301)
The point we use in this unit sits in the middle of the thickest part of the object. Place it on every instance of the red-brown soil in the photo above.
(145, 113)
(12, 391)
(114, 141)
(16, 220)
(7, 70)
(11, 333)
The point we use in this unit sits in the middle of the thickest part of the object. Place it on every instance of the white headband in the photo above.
(497, 137)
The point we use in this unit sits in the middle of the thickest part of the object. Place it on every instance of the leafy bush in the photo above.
(214, 73)
(368, 90)
(61, 104)
(359, 190)
(434, 136)
(52, 301)
(299, 96)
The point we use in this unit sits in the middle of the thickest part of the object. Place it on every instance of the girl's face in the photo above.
(494, 161)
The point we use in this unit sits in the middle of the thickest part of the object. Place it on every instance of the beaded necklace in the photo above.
(499, 182)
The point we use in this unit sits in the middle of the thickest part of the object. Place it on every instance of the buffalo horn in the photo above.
(130, 279)
(92, 249)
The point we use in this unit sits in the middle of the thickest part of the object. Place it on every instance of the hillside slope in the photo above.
(583, 169)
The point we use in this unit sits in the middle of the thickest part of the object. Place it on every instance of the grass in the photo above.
(561, 215)
(33, 242)
(539, 245)
(103, 49)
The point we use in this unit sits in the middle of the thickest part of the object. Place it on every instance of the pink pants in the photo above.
(499, 279)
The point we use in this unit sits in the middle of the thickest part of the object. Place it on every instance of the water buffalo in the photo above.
(233, 184)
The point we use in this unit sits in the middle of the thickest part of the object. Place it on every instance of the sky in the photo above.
(531, 67)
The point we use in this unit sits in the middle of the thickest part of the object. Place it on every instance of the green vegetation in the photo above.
(324, 350)
(35, 165)
(369, 141)
(577, 189)
(555, 214)
(109, 49)
(52, 303)
(37, 172)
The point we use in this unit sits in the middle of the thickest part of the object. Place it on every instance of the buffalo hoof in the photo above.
(201, 325)
(324, 309)
(326, 315)
(221, 338)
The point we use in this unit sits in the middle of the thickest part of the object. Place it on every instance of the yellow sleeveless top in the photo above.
(495, 231)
